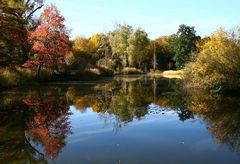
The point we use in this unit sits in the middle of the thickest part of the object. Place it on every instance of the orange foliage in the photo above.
(50, 39)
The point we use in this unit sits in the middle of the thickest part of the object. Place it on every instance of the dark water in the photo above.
(126, 120)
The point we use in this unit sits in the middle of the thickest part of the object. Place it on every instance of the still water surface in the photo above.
(123, 120)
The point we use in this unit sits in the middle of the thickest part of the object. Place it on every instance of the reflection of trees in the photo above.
(125, 100)
(130, 101)
(39, 119)
(14, 146)
(174, 99)
(222, 115)
(42, 120)
(49, 125)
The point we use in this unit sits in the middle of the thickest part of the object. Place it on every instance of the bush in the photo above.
(22, 76)
(9, 78)
(106, 63)
(216, 66)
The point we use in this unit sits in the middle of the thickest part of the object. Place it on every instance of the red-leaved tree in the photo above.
(50, 41)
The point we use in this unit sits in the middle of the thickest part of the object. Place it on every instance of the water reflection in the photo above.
(35, 123)
(222, 115)
(48, 123)
(32, 120)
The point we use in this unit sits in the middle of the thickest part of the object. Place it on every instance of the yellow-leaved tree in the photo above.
(216, 65)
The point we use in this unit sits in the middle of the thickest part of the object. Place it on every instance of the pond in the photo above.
(134, 119)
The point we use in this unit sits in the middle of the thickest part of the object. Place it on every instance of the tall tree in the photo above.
(184, 44)
(50, 40)
(137, 49)
(82, 52)
(119, 42)
(164, 51)
(101, 47)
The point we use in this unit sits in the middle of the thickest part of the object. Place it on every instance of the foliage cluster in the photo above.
(216, 65)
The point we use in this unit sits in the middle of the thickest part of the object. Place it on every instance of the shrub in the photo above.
(9, 78)
(27, 74)
(21, 76)
(106, 63)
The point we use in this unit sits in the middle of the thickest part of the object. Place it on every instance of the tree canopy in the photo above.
(50, 40)
(184, 44)
(216, 65)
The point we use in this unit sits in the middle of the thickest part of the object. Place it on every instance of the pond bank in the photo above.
(82, 78)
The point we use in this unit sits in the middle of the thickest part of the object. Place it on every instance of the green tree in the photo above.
(164, 51)
(184, 45)
(119, 42)
(137, 49)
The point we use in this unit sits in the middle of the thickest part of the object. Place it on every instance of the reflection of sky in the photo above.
(157, 138)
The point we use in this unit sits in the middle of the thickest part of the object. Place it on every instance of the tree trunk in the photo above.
(39, 70)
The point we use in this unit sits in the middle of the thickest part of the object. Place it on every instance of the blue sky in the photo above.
(156, 17)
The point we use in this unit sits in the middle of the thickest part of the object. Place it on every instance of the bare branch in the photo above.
(27, 2)
(31, 13)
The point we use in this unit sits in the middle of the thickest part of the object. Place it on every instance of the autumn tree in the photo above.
(16, 18)
(50, 41)
(102, 53)
(201, 42)
(83, 51)
(185, 44)
(100, 44)
(216, 66)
